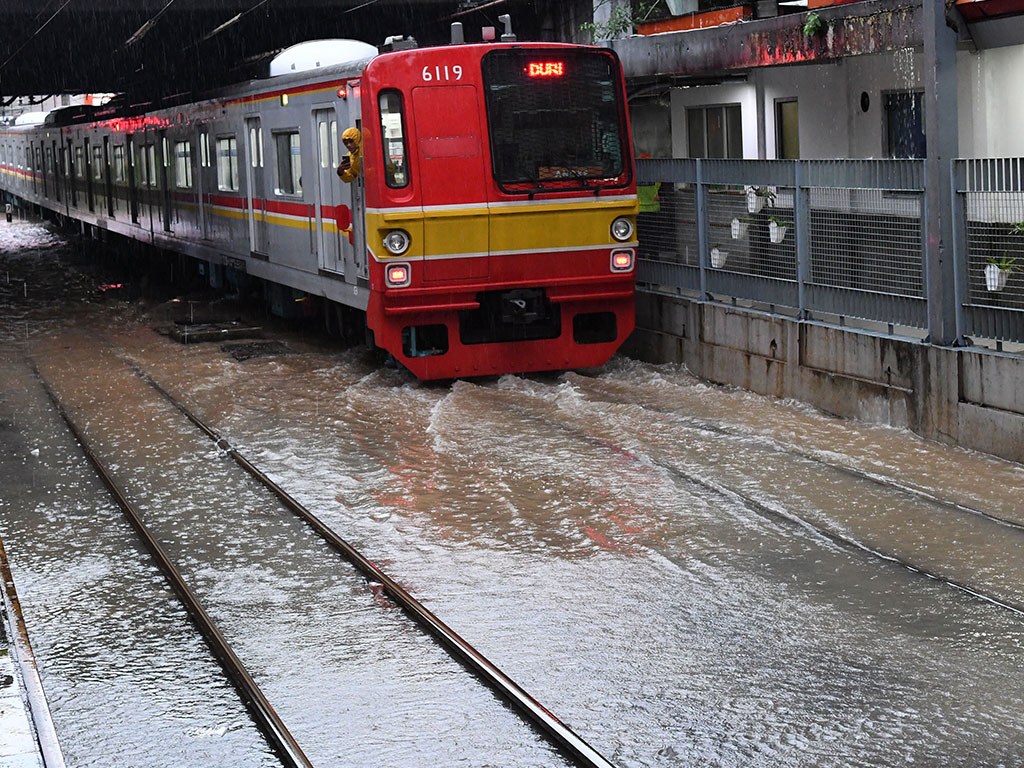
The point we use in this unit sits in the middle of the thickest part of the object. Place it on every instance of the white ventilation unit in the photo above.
(315, 54)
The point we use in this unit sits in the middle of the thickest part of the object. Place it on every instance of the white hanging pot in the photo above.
(776, 231)
(739, 229)
(995, 278)
(718, 257)
(754, 201)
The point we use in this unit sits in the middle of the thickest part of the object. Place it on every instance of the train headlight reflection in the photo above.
(397, 275)
(396, 241)
(622, 229)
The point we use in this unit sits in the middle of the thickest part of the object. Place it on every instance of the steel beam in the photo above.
(847, 30)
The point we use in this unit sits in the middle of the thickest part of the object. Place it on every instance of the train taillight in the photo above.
(397, 275)
(622, 261)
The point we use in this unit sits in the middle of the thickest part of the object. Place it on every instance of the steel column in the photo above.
(940, 110)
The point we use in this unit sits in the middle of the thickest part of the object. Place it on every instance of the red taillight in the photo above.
(397, 275)
(622, 261)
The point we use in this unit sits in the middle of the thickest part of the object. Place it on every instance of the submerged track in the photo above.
(278, 736)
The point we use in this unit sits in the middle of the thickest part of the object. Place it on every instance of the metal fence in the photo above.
(988, 216)
(831, 237)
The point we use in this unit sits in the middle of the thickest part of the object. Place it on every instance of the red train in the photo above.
(490, 229)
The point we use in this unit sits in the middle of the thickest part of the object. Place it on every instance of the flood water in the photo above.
(686, 575)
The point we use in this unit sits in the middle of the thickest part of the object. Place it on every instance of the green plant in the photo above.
(621, 20)
(779, 222)
(1017, 229)
(766, 192)
(1004, 262)
(813, 24)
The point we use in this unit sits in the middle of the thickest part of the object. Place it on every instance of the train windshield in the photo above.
(556, 119)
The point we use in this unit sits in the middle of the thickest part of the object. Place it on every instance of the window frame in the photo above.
(729, 145)
(294, 168)
(385, 142)
(232, 162)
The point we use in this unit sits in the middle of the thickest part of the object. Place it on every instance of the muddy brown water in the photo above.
(640, 550)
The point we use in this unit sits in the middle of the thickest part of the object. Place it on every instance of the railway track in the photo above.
(264, 715)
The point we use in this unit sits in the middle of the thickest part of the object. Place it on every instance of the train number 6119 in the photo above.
(442, 73)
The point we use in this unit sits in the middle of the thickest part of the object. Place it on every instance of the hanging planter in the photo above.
(997, 272)
(758, 197)
(718, 257)
(739, 228)
(776, 231)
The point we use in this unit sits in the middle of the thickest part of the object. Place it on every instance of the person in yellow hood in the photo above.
(350, 165)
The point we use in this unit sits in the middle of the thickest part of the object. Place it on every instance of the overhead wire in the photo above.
(33, 35)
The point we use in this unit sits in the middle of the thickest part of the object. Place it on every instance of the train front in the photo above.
(500, 208)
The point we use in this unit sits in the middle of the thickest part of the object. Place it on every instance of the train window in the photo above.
(392, 131)
(326, 158)
(204, 149)
(149, 154)
(164, 146)
(554, 124)
(289, 163)
(183, 164)
(256, 147)
(97, 163)
(79, 162)
(119, 169)
(227, 164)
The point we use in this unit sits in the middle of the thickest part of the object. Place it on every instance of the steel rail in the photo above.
(268, 721)
(563, 736)
(39, 709)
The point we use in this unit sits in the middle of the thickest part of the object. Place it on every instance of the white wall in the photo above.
(832, 122)
(991, 102)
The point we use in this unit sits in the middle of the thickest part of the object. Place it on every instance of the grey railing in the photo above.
(842, 238)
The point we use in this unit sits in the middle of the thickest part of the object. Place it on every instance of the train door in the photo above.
(44, 167)
(204, 182)
(333, 218)
(452, 173)
(254, 188)
(99, 184)
(108, 179)
(73, 166)
(133, 177)
(164, 175)
(86, 171)
(53, 158)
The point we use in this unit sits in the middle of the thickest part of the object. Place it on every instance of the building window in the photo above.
(183, 164)
(714, 132)
(904, 124)
(289, 163)
(787, 130)
(227, 164)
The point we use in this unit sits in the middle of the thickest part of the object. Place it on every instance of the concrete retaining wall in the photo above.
(968, 397)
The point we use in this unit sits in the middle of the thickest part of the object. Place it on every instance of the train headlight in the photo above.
(622, 229)
(396, 242)
(622, 261)
(397, 275)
